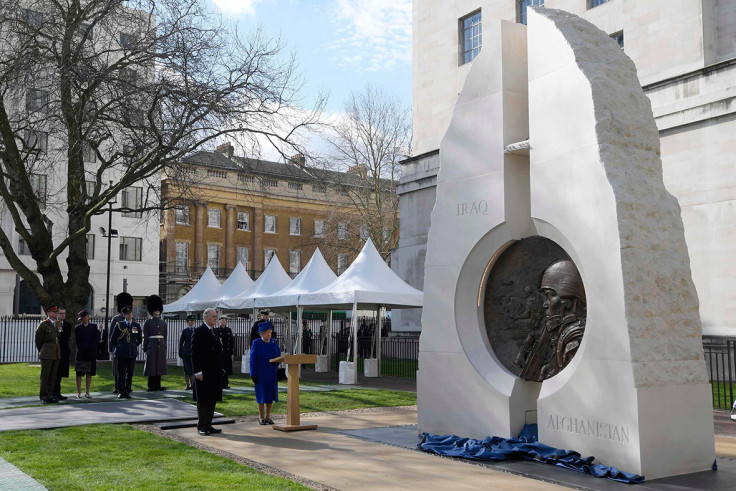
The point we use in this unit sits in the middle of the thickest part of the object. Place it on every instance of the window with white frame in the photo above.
(295, 262)
(213, 217)
(37, 100)
(38, 184)
(133, 200)
(267, 256)
(127, 41)
(88, 153)
(213, 257)
(342, 263)
(36, 141)
(243, 257)
(130, 248)
(364, 232)
(595, 3)
(90, 186)
(90, 246)
(243, 220)
(471, 37)
(319, 228)
(342, 230)
(182, 257)
(181, 213)
(295, 186)
(522, 6)
(23, 249)
(295, 226)
(269, 224)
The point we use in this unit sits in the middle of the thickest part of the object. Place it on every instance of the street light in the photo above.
(109, 236)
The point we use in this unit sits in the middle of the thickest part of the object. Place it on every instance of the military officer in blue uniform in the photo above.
(122, 300)
(125, 338)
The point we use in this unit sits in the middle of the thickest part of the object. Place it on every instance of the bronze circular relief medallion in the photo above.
(534, 308)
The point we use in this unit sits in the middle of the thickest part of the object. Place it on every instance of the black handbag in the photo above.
(280, 374)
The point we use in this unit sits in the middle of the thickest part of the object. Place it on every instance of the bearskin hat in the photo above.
(124, 299)
(154, 303)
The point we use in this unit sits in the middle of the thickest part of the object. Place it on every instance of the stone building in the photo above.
(234, 209)
(685, 53)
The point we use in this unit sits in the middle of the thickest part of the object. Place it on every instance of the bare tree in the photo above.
(107, 91)
(366, 145)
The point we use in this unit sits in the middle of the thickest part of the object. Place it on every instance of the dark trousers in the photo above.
(124, 374)
(49, 369)
(205, 413)
(154, 382)
(57, 384)
(115, 371)
(225, 381)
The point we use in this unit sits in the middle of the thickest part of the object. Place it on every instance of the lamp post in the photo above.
(110, 234)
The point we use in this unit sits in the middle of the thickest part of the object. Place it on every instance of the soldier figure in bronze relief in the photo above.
(550, 348)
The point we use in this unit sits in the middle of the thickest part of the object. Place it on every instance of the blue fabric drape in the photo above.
(524, 447)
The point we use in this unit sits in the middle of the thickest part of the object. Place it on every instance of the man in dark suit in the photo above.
(208, 372)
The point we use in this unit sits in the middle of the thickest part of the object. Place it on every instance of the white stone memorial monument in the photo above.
(552, 139)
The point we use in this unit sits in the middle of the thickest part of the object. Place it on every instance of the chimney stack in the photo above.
(226, 149)
(299, 160)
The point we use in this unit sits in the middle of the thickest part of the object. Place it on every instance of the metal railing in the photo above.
(399, 354)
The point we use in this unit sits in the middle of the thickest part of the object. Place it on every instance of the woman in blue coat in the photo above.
(263, 372)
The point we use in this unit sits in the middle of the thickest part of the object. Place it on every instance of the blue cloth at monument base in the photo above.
(524, 447)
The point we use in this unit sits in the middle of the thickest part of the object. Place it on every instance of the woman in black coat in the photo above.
(87, 337)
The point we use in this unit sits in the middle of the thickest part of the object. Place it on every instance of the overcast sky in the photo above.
(340, 44)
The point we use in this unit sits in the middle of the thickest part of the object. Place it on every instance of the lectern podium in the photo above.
(292, 392)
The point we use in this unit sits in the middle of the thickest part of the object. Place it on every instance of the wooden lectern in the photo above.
(292, 391)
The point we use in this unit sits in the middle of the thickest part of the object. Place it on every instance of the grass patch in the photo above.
(122, 457)
(22, 379)
(723, 394)
(245, 404)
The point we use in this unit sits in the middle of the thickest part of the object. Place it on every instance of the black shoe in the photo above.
(151, 390)
(212, 429)
(269, 421)
(188, 388)
(226, 387)
(161, 388)
(54, 400)
(203, 432)
(115, 391)
(124, 396)
(262, 422)
(61, 397)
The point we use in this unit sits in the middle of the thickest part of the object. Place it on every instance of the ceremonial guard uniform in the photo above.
(154, 344)
(185, 350)
(126, 336)
(65, 342)
(123, 299)
(226, 340)
(207, 363)
(49, 352)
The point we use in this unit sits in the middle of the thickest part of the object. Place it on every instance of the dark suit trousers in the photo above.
(205, 413)
(124, 374)
(57, 383)
(49, 369)
(115, 371)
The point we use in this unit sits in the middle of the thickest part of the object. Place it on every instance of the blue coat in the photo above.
(125, 339)
(267, 388)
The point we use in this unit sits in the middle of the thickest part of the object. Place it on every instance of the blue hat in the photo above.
(265, 326)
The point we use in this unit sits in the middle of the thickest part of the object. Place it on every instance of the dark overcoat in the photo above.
(226, 340)
(261, 368)
(207, 358)
(87, 338)
(154, 347)
(103, 349)
(254, 332)
(113, 321)
(65, 342)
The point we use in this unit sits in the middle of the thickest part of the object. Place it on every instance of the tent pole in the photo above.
(354, 321)
(300, 334)
(329, 338)
(381, 314)
(289, 335)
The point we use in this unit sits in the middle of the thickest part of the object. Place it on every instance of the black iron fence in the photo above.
(399, 355)
(720, 358)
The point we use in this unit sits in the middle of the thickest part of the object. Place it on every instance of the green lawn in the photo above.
(722, 394)
(122, 457)
(22, 379)
(245, 404)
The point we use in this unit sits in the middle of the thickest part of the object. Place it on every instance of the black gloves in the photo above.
(254, 379)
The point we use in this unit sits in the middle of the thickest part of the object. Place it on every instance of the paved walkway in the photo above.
(12, 479)
(16, 402)
(343, 462)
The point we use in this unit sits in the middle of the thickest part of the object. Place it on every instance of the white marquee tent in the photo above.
(238, 282)
(368, 283)
(204, 287)
(273, 279)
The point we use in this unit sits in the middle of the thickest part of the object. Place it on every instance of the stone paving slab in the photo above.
(339, 461)
(25, 401)
(13, 479)
(57, 416)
